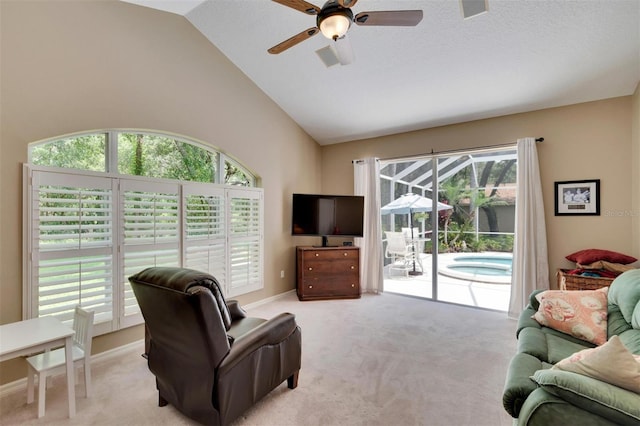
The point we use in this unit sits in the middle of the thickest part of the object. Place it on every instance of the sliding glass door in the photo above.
(406, 229)
(457, 227)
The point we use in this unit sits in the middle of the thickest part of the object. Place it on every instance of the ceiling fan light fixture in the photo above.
(335, 23)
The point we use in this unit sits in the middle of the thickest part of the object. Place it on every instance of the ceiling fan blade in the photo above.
(343, 50)
(394, 18)
(301, 6)
(290, 42)
(347, 3)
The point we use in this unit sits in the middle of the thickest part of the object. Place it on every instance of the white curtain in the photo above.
(530, 262)
(367, 182)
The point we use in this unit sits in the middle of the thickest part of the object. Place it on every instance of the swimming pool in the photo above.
(494, 268)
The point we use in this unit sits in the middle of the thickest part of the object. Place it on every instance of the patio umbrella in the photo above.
(409, 204)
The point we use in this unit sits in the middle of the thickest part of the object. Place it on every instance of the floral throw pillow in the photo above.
(612, 363)
(580, 313)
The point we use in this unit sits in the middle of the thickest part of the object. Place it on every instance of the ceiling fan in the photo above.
(334, 19)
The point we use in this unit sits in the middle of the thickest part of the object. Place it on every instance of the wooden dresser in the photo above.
(328, 272)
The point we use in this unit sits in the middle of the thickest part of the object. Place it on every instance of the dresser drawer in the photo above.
(330, 254)
(330, 286)
(330, 266)
(328, 273)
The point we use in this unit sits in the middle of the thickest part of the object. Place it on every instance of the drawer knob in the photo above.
(310, 286)
(353, 267)
(317, 254)
(311, 269)
(353, 285)
(346, 254)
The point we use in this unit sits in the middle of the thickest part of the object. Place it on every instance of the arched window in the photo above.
(102, 206)
(141, 154)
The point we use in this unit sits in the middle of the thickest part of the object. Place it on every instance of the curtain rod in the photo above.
(538, 140)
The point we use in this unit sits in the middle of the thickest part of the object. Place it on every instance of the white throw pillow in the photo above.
(612, 363)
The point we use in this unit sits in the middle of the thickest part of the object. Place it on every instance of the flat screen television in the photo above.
(327, 216)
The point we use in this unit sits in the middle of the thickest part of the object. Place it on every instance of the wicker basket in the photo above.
(578, 282)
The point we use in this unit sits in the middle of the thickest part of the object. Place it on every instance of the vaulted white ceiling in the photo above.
(520, 56)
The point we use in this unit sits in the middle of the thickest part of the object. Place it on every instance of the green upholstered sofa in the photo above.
(535, 394)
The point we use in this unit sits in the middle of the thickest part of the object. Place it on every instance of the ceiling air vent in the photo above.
(471, 8)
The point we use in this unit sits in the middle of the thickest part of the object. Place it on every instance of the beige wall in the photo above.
(635, 171)
(585, 141)
(77, 66)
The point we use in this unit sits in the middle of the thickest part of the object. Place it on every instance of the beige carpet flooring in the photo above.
(378, 360)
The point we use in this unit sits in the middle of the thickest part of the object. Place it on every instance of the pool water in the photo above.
(483, 267)
(498, 259)
(481, 270)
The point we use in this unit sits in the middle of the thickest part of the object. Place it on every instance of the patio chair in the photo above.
(405, 253)
(50, 363)
(407, 233)
(400, 253)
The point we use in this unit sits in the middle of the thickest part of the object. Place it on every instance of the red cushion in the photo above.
(585, 257)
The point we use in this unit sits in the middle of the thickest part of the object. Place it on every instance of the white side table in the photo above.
(35, 335)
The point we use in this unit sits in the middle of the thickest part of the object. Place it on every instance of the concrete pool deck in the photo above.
(452, 290)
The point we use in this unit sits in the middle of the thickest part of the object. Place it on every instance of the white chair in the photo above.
(398, 251)
(405, 253)
(407, 233)
(52, 362)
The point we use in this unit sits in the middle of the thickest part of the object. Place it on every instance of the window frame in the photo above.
(120, 319)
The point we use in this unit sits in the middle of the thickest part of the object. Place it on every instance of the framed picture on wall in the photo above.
(577, 198)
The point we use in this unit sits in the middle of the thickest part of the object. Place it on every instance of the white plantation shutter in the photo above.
(71, 246)
(150, 217)
(245, 241)
(87, 233)
(205, 241)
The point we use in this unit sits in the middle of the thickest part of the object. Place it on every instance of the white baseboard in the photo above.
(22, 383)
(267, 300)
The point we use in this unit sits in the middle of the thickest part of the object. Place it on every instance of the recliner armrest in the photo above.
(518, 384)
(270, 332)
(235, 310)
(616, 404)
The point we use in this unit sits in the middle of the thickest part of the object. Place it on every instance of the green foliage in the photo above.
(163, 157)
(141, 154)
(80, 152)
(460, 222)
(502, 243)
(234, 175)
(459, 234)
(469, 190)
(465, 241)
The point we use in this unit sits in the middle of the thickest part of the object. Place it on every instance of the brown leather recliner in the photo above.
(211, 361)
